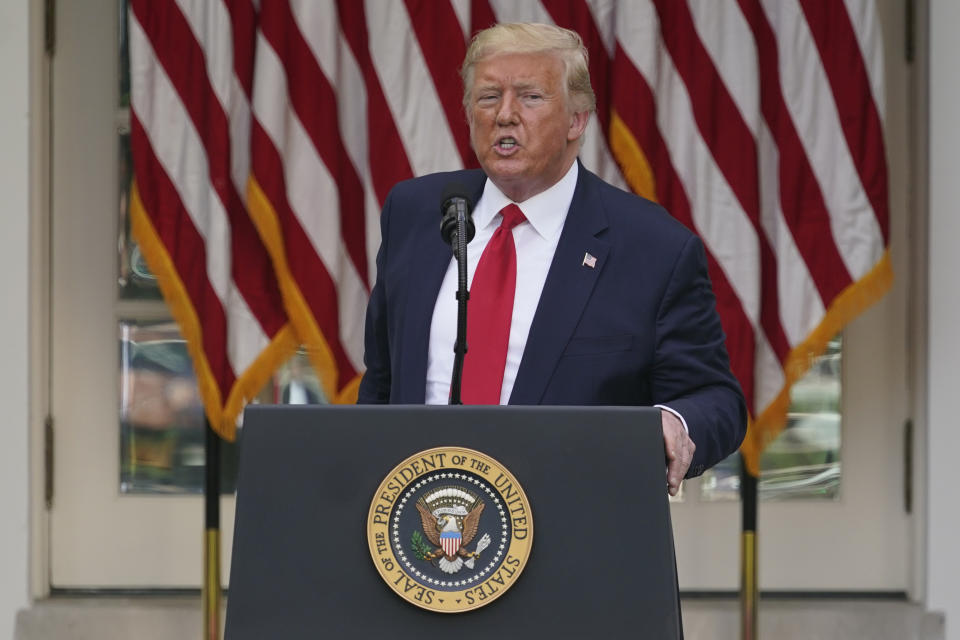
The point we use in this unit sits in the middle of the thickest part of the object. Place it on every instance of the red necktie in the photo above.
(489, 313)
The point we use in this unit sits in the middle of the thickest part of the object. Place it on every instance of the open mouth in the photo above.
(507, 143)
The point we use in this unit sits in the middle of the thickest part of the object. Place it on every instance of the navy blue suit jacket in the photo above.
(640, 328)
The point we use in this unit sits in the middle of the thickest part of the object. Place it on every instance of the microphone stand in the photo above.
(460, 346)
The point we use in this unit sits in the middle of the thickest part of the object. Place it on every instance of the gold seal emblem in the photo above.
(450, 529)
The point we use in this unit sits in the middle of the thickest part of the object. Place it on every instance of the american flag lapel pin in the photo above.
(589, 261)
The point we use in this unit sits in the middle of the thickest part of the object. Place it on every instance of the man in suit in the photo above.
(607, 298)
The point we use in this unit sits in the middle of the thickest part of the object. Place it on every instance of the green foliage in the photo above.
(419, 546)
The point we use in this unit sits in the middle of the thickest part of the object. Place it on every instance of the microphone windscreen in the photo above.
(455, 198)
(452, 191)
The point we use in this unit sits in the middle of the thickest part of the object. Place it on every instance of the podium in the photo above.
(602, 559)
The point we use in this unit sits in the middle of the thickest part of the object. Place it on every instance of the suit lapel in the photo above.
(427, 267)
(427, 270)
(565, 293)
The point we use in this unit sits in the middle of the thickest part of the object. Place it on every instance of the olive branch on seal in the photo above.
(420, 547)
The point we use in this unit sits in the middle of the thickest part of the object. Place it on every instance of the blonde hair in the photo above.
(534, 37)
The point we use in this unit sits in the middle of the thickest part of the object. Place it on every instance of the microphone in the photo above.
(455, 210)
(453, 204)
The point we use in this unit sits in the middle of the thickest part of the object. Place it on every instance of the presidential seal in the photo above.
(450, 529)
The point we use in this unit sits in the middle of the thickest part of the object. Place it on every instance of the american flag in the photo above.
(757, 123)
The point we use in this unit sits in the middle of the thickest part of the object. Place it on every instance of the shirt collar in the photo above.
(546, 211)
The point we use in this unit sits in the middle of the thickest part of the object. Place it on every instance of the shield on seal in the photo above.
(450, 541)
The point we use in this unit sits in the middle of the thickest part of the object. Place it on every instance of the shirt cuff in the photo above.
(682, 421)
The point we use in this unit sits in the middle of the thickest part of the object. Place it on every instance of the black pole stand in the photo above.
(211, 549)
(749, 591)
(460, 347)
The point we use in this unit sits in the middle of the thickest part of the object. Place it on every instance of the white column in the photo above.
(943, 503)
(14, 309)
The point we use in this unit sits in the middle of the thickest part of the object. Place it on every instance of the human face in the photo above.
(521, 127)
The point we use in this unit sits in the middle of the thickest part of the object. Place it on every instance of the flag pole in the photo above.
(749, 591)
(211, 547)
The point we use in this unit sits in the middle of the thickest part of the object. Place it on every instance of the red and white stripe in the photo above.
(757, 123)
(190, 126)
(450, 545)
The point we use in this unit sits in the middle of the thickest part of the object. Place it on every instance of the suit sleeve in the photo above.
(375, 384)
(691, 372)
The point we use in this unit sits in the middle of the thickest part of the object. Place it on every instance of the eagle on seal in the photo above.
(451, 528)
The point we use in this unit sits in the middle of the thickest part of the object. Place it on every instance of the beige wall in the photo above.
(943, 366)
(14, 309)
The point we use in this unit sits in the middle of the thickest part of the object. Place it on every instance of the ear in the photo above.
(578, 124)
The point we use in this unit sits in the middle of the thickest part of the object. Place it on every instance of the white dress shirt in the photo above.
(536, 241)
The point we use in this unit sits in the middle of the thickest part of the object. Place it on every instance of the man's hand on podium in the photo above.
(679, 448)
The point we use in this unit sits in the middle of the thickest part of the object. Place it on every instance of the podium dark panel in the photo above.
(602, 562)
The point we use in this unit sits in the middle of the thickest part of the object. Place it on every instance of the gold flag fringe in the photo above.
(852, 301)
(318, 348)
(222, 417)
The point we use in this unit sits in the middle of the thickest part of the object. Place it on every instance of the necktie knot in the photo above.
(512, 216)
